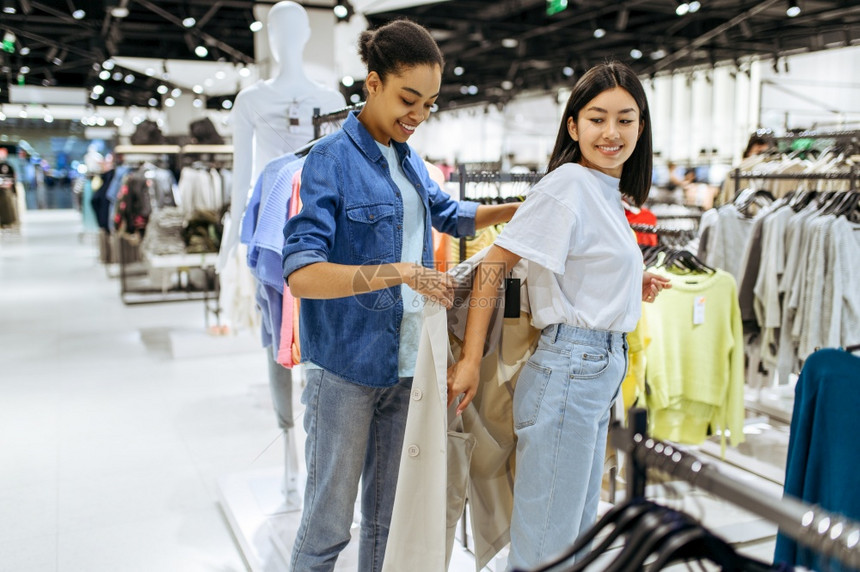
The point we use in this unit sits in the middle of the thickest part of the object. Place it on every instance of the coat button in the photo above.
(413, 450)
(417, 394)
(370, 217)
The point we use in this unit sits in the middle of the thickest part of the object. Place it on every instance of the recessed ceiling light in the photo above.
(119, 12)
(189, 22)
(510, 42)
(162, 89)
(226, 104)
(79, 14)
(256, 26)
(201, 51)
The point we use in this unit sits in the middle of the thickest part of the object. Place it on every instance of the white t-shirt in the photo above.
(587, 267)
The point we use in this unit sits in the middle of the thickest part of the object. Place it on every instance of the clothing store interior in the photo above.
(152, 387)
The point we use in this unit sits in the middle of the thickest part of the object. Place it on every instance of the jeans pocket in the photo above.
(587, 362)
(529, 392)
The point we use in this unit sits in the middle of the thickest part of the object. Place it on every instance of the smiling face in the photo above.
(396, 106)
(607, 129)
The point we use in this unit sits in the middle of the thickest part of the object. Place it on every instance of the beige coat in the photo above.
(446, 458)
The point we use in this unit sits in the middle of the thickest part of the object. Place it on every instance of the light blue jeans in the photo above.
(354, 432)
(561, 416)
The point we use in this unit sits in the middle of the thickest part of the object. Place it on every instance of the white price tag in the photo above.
(293, 117)
(699, 310)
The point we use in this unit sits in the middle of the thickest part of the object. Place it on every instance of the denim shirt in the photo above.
(352, 214)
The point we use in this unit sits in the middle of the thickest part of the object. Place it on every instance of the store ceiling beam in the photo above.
(708, 36)
(201, 23)
(208, 39)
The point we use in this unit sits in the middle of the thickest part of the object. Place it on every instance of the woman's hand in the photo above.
(429, 282)
(463, 378)
(652, 285)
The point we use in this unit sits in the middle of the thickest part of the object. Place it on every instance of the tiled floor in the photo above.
(111, 448)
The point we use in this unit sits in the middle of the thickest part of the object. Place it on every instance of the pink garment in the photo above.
(290, 305)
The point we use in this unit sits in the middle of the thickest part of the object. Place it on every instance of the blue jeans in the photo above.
(561, 416)
(354, 432)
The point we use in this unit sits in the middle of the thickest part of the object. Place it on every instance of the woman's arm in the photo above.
(463, 376)
(326, 280)
(495, 214)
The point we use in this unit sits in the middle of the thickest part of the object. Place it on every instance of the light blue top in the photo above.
(413, 243)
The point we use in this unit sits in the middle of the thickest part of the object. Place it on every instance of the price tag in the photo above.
(699, 310)
(293, 117)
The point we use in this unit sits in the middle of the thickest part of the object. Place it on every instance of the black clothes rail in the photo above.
(829, 534)
(464, 176)
(320, 120)
(852, 175)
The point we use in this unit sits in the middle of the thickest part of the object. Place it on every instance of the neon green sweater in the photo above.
(695, 362)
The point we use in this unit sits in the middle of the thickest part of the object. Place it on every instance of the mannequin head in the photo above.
(289, 30)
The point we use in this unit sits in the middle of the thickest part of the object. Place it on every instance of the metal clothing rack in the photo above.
(829, 534)
(464, 176)
(337, 116)
(852, 175)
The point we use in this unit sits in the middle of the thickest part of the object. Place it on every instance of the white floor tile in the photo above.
(33, 554)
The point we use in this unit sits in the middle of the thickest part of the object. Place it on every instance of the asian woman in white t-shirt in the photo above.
(585, 283)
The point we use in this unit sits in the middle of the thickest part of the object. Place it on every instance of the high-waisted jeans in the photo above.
(354, 433)
(561, 416)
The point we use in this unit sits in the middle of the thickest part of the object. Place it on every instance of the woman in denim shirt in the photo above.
(586, 286)
(360, 256)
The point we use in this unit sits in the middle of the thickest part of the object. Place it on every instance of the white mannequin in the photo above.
(271, 118)
(261, 113)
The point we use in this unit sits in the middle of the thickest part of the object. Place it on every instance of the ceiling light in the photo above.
(24, 69)
(108, 64)
(104, 75)
(244, 71)
(101, 121)
(119, 12)
(256, 26)
(458, 70)
(694, 6)
(510, 42)
(169, 102)
(635, 53)
(226, 104)
(79, 14)
(347, 81)
(473, 90)
(23, 113)
(110, 100)
(220, 74)
(175, 92)
(117, 121)
(152, 102)
(48, 118)
(354, 98)
(198, 103)
(507, 85)
(98, 89)
(9, 7)
(567, 71)
(198, 89)
(150, 72)
(189, 22)
(94, 96)
(658, 54)
(129, 79)
(201, 51)
(464, 89)
(162, 89)
(24, 51)
(793, 9)
(599, 32)
(682, 8)
(343, 10)
(117, 75)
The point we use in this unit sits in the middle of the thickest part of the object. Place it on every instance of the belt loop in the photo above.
(555, 334)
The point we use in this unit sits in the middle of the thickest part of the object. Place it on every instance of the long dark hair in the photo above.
(636, 174)
(398, 45)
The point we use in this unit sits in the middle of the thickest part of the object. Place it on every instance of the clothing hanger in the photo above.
(699, 543)
(852, 349)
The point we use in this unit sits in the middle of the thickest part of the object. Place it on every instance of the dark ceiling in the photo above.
(548, 50)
